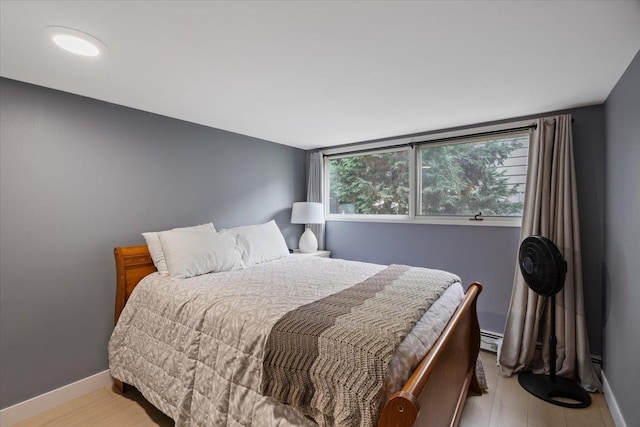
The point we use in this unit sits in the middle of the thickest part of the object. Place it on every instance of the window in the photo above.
(374, 183)
(466, 178)
(442, 181)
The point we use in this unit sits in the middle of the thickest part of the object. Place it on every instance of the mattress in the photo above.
(195, 347)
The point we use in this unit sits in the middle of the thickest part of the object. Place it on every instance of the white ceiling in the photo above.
(317, 74)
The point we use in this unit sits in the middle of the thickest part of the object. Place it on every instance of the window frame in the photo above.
(413, 144)
(368, 217)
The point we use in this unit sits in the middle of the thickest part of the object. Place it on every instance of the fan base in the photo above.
(542, 387)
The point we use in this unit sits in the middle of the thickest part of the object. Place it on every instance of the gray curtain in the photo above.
(314, 193)
(550, 210)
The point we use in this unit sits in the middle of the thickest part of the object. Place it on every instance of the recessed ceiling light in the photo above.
(75, 41)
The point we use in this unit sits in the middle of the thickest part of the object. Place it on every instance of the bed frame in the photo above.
(434, 394)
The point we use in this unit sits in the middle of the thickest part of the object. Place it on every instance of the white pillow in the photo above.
(191, 253)
(155, 247)
(260, 243)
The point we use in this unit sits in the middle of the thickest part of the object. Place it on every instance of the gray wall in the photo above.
(80, 176)
(622, 242)
(488, 254)
(483, 254)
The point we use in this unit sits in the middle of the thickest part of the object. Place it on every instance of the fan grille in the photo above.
(542, 265)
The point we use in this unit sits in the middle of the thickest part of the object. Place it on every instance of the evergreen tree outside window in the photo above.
(370, 184)
(464, 179)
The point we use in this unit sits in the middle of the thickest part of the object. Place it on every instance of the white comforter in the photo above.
(194, 347)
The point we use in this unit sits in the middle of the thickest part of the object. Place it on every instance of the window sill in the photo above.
(404, 219)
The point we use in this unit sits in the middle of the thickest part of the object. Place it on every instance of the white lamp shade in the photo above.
(307, 213)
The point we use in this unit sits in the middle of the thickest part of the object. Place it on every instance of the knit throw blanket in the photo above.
(329, 358)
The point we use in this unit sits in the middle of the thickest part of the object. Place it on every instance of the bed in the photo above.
(433, 394)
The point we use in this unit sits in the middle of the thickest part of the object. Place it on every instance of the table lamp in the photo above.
(307, 213)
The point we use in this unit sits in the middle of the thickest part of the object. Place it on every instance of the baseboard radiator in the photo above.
(491, 341)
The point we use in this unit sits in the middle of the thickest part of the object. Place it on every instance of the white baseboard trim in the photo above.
(34, 406)
(612, 402)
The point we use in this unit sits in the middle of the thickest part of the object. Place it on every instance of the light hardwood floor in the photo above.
(506, 404)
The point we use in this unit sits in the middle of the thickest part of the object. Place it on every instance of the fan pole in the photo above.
(553, 341)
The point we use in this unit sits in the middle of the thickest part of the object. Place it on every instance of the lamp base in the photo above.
(308, 242)
(541, 386)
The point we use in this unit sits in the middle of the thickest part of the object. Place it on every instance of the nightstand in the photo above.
(321, 254)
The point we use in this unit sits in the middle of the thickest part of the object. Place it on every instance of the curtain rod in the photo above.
(365, 150)
(477, 134)
(431, 141)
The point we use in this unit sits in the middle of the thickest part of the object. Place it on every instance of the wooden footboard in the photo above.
(435, 393)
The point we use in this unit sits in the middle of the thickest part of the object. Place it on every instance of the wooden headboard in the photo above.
(132, 264)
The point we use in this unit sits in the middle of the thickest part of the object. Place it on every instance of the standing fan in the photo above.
(543, 268)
